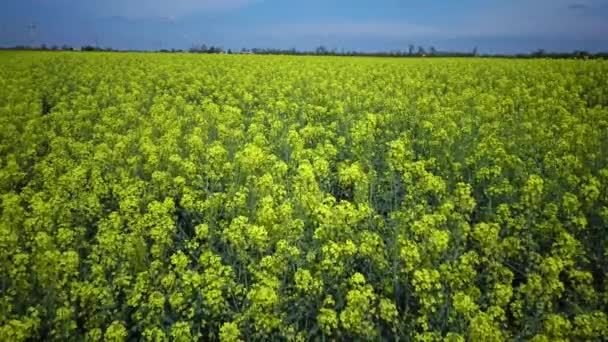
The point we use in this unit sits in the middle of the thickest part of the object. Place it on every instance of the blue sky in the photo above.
(499, 26)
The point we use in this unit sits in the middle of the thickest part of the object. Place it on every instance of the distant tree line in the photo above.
(42, 47)
(420, 51)
(207, 49)
(412, 51)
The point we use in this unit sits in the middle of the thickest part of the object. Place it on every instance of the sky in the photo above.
(493, 26)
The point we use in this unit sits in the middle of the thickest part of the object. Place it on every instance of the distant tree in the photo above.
(432, 51)
(215, 49)
(321, 50)
(421, 51)
(411, 50)
(475, 53)
(539, 53)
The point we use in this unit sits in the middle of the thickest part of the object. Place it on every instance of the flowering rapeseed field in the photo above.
(189, 197)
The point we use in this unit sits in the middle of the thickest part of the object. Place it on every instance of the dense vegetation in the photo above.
(150, 196)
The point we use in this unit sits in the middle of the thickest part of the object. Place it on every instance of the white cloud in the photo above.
(136, 9)
(514, 19)
(541, 18)
(352, 29)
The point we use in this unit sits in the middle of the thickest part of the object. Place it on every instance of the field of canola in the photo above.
(205, 197)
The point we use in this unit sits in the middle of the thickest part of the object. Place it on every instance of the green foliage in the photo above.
(238, 198)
